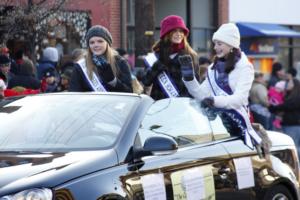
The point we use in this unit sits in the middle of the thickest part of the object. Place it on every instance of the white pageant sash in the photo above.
(150, 59)
(95, 82)
(249, 131)
(168, 87)
(164, 80)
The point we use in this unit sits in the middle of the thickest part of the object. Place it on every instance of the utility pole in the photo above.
(144, 26)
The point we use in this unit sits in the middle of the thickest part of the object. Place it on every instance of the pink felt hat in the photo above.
(170, 23)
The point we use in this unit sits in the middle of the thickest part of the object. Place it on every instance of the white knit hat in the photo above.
(280, 86)
(50, 54)
(229, 34)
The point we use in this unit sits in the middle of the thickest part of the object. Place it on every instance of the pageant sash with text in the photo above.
(95, 83)
(165, 82)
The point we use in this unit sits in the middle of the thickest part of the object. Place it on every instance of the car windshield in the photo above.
(63, 122)
(182, 119)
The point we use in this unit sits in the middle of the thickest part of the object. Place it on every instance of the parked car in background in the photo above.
(108, 146)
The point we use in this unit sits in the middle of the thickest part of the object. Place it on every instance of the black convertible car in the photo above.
(100, 146)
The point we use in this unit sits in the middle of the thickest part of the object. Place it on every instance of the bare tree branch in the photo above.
(28, 19)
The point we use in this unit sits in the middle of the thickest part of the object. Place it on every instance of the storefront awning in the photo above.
(268, 30)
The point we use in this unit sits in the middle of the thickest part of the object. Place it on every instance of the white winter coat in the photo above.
(240, 81)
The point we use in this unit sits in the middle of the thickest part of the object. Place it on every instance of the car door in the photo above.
(240, 171)
(198, 170)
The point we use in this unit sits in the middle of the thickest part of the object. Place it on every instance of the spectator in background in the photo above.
(204, 62)
(259, 101)
(19, 56)
(292, 71)
(5, 73)
(135, 83)
(290, 75)
(2, 88)
(291, 112)
(277, 74)
(76, 55)
(67, 69)
(65, 80)
(122, 52)
(13, 64)
(129, 57)
(49, 81)
(4, 51)
(25, 77)
(276, 93)
(276, 97)
(49, 60)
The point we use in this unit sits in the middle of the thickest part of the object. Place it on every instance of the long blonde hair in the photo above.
(110, 55)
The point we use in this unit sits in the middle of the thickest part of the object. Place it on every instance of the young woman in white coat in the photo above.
(228, 82)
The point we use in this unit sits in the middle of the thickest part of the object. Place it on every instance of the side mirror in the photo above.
(156, 146)
(160, 145)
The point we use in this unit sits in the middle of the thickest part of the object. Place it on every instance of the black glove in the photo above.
(153, 72)
(208, 102)
(157, 68)
(104, 68)
(107, 74)
(187, 69)
(211, 114)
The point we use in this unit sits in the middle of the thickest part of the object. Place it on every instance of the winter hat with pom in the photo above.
(229, 34)
(281, 86)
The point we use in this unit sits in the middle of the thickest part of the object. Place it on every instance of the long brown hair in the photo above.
(110, 55)
(230, 59)
(163, 48)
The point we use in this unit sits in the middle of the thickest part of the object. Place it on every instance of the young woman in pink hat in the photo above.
(163, 73)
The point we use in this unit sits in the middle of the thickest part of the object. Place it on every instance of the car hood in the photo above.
(20, 171)
(280, 139)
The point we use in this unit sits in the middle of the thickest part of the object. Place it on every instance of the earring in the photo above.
(231, 50)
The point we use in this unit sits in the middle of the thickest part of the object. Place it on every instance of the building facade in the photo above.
(270, 31)
(201, 16)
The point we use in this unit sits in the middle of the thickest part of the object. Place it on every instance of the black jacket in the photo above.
(26, 81)
(174, 73)
(79, 83)
(291, 111)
